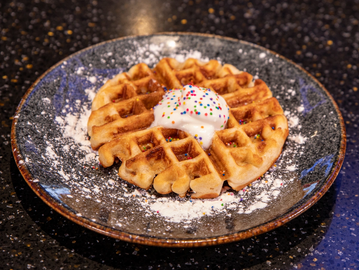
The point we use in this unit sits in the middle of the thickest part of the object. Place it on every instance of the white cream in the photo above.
(196, 110)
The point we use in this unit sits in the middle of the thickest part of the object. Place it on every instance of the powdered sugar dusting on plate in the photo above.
(72, 124)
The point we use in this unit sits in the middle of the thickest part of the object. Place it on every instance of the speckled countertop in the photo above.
(321, 36)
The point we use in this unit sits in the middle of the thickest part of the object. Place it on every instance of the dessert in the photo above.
(195, 110)
(175, 150)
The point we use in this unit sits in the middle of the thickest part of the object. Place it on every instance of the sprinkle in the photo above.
(173, 122)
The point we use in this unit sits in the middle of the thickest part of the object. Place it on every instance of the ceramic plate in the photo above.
(52, 151)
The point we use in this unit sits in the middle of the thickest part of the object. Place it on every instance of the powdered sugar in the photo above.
(72, 122)
(262, 55)
(298, 138)
(75, 127)
(293, 121)
(247, 200)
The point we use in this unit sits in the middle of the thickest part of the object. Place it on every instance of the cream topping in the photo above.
(196, 110)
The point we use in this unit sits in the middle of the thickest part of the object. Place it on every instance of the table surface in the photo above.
(320, 36)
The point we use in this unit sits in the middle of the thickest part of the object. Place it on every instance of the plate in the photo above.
(52, 150)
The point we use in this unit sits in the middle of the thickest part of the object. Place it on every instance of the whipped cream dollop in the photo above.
(196, 110)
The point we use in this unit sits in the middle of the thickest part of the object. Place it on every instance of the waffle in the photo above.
(172, 160)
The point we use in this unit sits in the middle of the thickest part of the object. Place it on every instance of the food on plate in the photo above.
(187, 127)
(195, 110)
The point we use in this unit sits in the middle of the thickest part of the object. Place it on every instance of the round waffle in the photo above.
(172, 160)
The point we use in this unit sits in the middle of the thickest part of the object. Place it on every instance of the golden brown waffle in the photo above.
(174, 155)
(139, 80)
(172, 160)
(233, 85)
(124, 103)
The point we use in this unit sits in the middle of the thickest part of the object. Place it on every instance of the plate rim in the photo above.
(175, 242)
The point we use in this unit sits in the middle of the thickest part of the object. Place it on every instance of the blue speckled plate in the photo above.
(51, 149)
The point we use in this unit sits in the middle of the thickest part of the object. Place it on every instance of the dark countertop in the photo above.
(321, 36)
